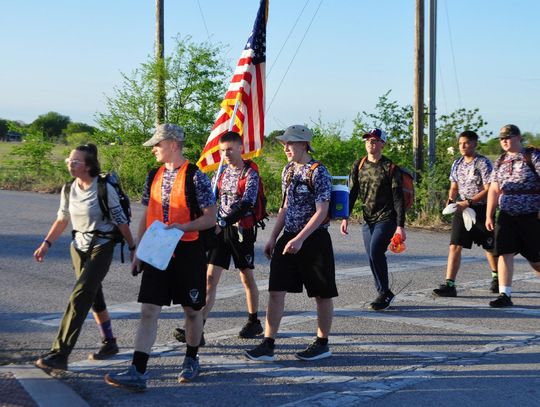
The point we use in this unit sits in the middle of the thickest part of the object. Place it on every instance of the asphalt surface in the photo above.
(422, 351)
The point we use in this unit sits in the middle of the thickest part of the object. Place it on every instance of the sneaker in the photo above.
(190, 370)
(315, 351)
(502, 301)
(383, 301)
(494, 287)
(263, 353)
(108, 349)
(251, 330)
(52, 361)
(445, 290)
(180, 335)
(130, 379)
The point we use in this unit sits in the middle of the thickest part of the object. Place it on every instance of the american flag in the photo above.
(247, 85)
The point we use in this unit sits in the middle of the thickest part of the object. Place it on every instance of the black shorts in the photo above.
(312, 267)
(478, 233)
(518, 234)
(243, 253)
(183, 282)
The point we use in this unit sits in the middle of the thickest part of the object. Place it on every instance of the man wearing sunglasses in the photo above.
(515, 188)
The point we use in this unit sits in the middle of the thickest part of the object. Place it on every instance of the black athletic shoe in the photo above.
(445, 290)
(263, 353)
(383, 301)
(502, 301)
(315, 351)
(180, 335)
(53, 361)
(494, 287)
(108, 349)
(251, 330)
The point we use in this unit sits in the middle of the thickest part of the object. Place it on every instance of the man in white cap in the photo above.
(169, 196)
(383, 209)
(303, 256)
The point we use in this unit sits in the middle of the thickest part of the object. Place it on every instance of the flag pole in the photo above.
(231, 125)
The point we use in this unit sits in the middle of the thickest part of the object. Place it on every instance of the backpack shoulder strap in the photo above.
(103, 195)
(191, 197)
(527, 155)
(310, 172)
(67, 190)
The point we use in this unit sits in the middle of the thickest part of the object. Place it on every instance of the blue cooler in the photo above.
(339, 201)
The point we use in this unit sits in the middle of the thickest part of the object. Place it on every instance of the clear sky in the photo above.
(66, 55)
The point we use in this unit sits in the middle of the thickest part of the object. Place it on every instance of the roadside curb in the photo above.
(30, 386)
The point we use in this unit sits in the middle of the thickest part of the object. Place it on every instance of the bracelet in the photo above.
(48, 243)
(131, 248)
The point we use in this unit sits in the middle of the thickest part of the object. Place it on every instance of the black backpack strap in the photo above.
(103, 196)
(191, 196)
(527, 155)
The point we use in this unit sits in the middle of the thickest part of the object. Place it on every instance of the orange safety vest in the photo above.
(178, 209)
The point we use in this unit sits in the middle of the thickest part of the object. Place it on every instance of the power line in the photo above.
(287, 39)
(294, 56)
(453, 56)
(203, 19)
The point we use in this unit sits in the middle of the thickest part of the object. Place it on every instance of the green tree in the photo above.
(51, 125)
(3, 129)
(195, 77)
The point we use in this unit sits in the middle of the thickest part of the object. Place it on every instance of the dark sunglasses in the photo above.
(507, 137)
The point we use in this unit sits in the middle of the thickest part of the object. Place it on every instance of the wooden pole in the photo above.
(418, 108)
(160, 54)
(432, 100)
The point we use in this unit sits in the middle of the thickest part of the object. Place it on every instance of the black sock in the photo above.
(140, 360)
(252, 317)
(322, 341)
(191, 351)
(269, 341)
(450, 282)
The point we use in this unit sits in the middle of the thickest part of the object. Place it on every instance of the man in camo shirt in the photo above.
(303, 255)
(515, 187)
(469, 182)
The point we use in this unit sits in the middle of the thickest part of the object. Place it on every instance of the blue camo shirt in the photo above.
(203, 191)
(471, 176)
(300, 199)
(228, 197)
(513, 175)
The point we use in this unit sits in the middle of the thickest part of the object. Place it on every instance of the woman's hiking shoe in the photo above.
(190, 370)
(180, 335)
(251, 330)
(494, 287)
(264, 352)
(383, 301)
(502, 301)
(445, 290)
(315, 351)
(52, 361)
(108, 349)
(129, 379)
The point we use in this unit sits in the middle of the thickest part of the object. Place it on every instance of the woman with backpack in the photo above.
(91, 253)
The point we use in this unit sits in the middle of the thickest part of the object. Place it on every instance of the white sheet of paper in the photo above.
(157, 245)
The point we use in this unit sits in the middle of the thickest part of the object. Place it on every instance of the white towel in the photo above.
(469, 218)
(451, 208)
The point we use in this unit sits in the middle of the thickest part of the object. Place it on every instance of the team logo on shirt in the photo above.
(194, 295)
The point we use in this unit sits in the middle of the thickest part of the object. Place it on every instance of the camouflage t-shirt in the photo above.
(229, 200)
(203, 191)
(301, 199)
(471, 176)
(519, 185)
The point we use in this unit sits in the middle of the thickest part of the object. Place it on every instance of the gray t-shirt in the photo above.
(85, 214)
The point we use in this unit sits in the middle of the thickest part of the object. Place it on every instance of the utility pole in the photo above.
(418, 108)
(432, 79)
(160, 64)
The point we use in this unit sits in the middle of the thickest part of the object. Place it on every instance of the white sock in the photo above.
(505, 289)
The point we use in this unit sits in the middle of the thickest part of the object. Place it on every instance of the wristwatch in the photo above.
(470, 202)
(221, 223)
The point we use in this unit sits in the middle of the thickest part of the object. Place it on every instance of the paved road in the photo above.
(421, 352)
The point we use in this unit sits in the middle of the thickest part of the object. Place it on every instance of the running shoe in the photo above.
(502, 301)
(264, 352)
(180, 335)
(108, 348)
(129, 379)
(494, 287)
(445, 290)
(251, 330)
(52, 361)
(190, 369)
(315, 351)
(383, 301)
